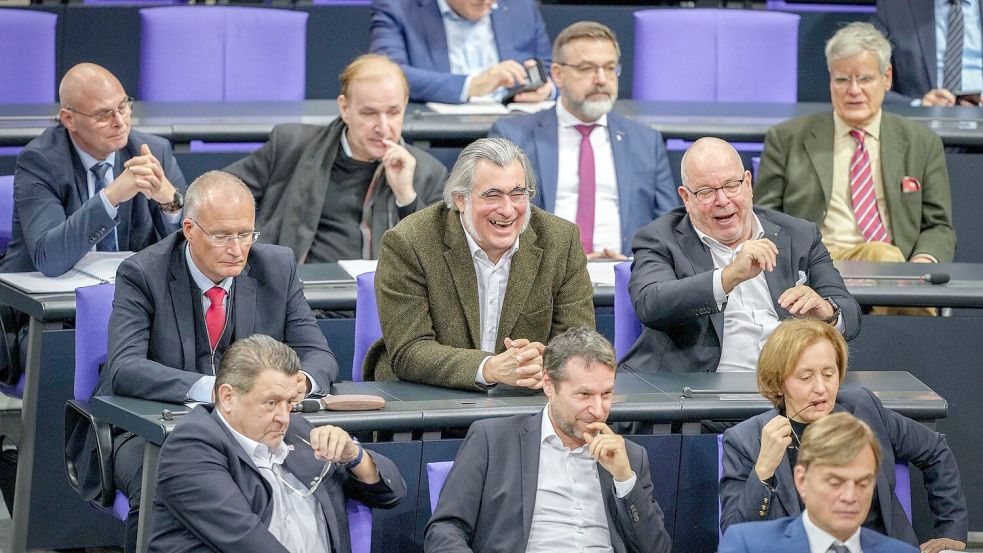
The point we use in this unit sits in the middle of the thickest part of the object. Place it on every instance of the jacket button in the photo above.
(761, 514)
(766, 500)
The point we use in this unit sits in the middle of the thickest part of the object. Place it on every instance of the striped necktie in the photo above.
(862, 193)
(952, 67)
(108, 243)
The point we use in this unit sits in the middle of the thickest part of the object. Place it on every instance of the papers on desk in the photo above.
(488, 108)
(356, 267)
(94, 268)
(601, 272)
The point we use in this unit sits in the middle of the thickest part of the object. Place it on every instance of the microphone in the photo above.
(307, 406)
(929, 278)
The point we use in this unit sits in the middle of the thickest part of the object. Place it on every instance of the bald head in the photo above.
(716, 191)
(94, 109)
(708, 151)
(216, 187)
(86, 80)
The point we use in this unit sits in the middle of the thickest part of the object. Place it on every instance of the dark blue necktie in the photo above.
(108, 243)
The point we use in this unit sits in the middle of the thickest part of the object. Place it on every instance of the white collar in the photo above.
(261, 455)
(820, 540)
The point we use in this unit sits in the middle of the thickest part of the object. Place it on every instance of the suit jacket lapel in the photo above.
(547, 157)
(244, 304)
(894, 149)
(784, 274)
(529, 442)
(305, 467)
(460, 264)
(795, 537)
(624, 174)
(817, 145)
(700, 261)
(309, 182)
(432, 27)
(525, 266)
(183, 292)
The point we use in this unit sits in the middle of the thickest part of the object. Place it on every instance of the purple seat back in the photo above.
(436, 475)
(367, 327)
(27, 57)
(93, 305)
(837, 8)
(716, 55)
(221, 53)
(627, 327)
(6, 210)
(359, 526)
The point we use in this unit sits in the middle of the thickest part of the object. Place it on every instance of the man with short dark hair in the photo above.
(279, 484)
(559, 480)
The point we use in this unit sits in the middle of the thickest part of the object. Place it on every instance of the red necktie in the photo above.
(862, 193)
(215, 316)
(585, 196)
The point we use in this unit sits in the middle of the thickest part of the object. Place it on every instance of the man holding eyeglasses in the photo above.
(180, 303)
(712, 279)
(596, 168)
(245, 475)
(470, 290)
(874, 182)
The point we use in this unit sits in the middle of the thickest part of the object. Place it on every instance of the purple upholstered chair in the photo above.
(6, 210)
(221, 53)
(436, 475)
(716, 55)
(627, 327)
(27, 77)
(359, 526)
(838, 8)
(367, 327)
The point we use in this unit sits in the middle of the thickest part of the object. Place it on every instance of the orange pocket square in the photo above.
(910, 184)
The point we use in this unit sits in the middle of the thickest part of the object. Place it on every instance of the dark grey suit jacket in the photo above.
(151, 331)
(902, 440)
(490, 494)
(211, 497)
(671, 289)
(55, 222)
(789, 534)
(289, 176)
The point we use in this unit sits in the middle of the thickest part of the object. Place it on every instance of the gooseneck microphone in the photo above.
(928, 278)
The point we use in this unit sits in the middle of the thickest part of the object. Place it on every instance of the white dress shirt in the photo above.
(471, 47)
(569, 515)
(297, 522)
(820, 540)
(607, 219)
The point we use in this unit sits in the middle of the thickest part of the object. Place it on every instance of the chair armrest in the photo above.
(89, 454)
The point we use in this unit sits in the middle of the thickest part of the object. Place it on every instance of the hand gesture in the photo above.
(606, 253)
(608, 449)
(331, 443)
(941, 544)
(521, 364)
(506, 73)
(776, 436)
(302, 387)
(400, 166)
(938, 97)
(802, 301)
(755, 256)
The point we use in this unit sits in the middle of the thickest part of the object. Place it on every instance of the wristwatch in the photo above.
(174, 205)
(836, 312)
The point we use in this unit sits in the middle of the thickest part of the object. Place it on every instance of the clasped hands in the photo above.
(521, 364)
(143, 174)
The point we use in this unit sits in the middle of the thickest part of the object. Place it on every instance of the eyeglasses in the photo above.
(708, 195)
(314, 483)
(842, 82)
(105, 117)
(518, 195)
(244, 238)
(589, 69)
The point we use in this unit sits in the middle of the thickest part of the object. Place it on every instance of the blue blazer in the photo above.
(55, 221)
(789, 534)
(645, 183)
(411, 33)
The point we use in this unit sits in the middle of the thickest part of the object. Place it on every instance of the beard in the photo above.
(593, 109)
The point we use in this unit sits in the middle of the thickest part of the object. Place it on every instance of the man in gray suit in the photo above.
(330, 192)
(712, 279)
(559, 477)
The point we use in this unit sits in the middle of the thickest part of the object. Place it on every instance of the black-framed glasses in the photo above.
(590, 69)
(494, 196)
(106, 116)
(244, 238)
(706, 195)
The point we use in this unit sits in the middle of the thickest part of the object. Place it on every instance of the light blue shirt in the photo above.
(972, 43)
(89, 162)
(471, 46)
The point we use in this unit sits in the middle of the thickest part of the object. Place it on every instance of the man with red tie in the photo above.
(180, 303)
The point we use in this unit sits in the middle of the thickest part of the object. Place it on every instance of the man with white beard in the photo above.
(598, 169)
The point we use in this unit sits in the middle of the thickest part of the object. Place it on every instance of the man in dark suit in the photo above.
(921, 74)
(712, 279)
(471, 289)
(555, 479)
(835, 475)
(608, 174)
(454, 51)
(330, 192)
(180, 303)
(242, 476)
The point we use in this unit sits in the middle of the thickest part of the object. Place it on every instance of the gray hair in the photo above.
(499, 151)
(855, 38)
(582, 30)
(582, 343)
(208, 183)
(244, 360)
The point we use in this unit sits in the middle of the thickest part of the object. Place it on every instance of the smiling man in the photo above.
(712, 279)
(559, 480)
(329, 192)
(471, 289)
(180, 303)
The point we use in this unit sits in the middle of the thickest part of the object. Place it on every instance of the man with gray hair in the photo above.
(874, 182)
(599, 169)
(180, 303)
(470, 290)
(581, 486)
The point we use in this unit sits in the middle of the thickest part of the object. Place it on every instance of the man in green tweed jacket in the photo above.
(469, 290)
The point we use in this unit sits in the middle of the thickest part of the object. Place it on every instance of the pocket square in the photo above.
(910, 184)
(802, 278)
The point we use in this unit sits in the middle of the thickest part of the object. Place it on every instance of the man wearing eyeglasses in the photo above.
(245, 475)
(608, 174)
(711, 280)
(180, 303)
(470, 290)
(874, 182)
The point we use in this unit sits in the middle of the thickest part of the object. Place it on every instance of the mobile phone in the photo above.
(535, 78)
(971, 96)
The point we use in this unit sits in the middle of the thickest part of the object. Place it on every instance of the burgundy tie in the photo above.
(585, 196)
(862, 193)
(215, 316)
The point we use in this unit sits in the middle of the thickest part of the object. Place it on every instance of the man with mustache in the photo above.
(608, 174)
(471, 289)
(711, 280)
